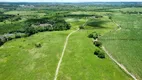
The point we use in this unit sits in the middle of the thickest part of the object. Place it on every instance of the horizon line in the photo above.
(63, 2)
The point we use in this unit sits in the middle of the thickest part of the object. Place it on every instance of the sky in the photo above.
(70, 0)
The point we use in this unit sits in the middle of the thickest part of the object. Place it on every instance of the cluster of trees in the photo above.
(8, 6)
(93, 35)
(83, 15)
(34, 26)
(5, 16)
(37, 28)
(16, 18)
(131, 12)
(99, 53)
(81, 27)
(6, 37)
(98, 44)
(46, 24)
(78, 15)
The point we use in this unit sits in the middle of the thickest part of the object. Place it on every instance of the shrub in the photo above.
(99, 53)
(98, 43)
(96, 51)
(110, 17)
(49, 28)
(81, 27)
(30, 30)
(93, 35)
(19, 35)
(37, 45)
(90, 35)
(2, 40)
(9, 36)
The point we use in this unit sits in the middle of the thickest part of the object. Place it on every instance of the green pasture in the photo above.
(125, 44)
(20, 59)
(80, 63)
(8, 26)
(25, 13)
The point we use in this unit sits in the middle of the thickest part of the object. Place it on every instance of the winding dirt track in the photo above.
(111, 57)
(119, 26)
(65, 45)
(120, 65)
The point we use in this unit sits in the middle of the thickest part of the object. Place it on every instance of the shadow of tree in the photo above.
(97, 23)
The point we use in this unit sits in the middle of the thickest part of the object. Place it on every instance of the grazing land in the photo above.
(21, 59)
(126, 42)
(33, 37)
(76, 62)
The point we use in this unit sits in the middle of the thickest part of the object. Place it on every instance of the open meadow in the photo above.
(21, 59)
(125, 44)
(64, 41)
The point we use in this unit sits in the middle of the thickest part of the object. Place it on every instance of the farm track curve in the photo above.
(65, 45)
(113, 59)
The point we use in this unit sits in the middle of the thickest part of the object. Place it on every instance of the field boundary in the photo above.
(120, 65)
(118, 25)
(113, 59)
(65, 45)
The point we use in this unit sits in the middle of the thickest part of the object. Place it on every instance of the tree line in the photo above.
(33, 26)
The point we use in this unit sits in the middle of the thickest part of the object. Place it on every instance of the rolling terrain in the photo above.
(44, 41)
(126, 42)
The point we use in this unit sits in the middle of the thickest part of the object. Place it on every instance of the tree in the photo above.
(81, 27)
(30, 30)
(2, 40)
(98, 43)
(96, 52)
(37, 45)
(110, 17)
(93, 35)
(99, 53)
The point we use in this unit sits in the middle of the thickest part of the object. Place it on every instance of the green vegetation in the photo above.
(99, 53)
(21, 59)
(79, 60)
(125, 44)
(100, 23)
(24, 13)
(97, 43)
(93, 35)
(46, 24)
(32, 37)
(36, 25)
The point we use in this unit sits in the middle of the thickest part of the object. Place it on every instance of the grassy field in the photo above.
(125, 44)
(100, 23)
(132, 9)
(75, 22)
(80, 63)
(79, 59)
(21, 55)
(21, 60)
(25, 13)
(7, 27)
